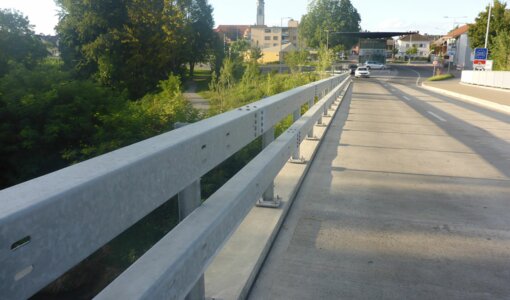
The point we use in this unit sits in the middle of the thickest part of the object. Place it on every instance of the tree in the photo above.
(412, 51)
(216, 54)
(18, 42)
(296, 59)
(132, 44)
(326, 57)
(201, 32)
(500, 22)
(333, 16)
(501, 51)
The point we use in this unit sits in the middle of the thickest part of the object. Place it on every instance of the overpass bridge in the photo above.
(380, 190)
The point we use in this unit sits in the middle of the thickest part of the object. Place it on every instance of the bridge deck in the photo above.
(408, 198)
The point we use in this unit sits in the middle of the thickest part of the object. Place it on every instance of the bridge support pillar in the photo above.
(296, 156)
(269, 199)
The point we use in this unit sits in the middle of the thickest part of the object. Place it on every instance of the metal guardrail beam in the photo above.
(170, 269)
(51, 223)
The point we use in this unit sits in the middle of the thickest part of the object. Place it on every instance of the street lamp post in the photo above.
(410, 45)
(488, 25)
(280, 55)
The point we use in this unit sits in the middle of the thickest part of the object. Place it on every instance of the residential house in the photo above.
(276, 53)
(51, 42)
(421, 42)
(455, 47)
(269, 37)
(232, 33)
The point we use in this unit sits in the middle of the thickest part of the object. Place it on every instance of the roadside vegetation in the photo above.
(499, 34)
(104, 93)
(441, 77)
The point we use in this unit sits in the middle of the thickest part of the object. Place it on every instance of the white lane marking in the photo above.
(419, 76)
(437, 117)
(405, 97)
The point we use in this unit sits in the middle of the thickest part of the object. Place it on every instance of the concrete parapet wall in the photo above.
(497, 79)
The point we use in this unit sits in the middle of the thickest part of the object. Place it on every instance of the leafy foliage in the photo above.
(296, 60)
(412, 51)
(332, 15)
(501, 51)
(326, 58)
(133, 44)
(50, 120)
(18, 41)
(201, 36)
(500, 22)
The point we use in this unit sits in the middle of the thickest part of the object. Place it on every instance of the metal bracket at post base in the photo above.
(273, 203)
(300, 161)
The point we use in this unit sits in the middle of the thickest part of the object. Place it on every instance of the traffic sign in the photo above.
(479, 62)
(481, 53)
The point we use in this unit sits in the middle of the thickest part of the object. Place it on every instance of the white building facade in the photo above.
(420, 42)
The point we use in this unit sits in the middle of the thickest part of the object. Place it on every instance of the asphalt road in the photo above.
(408, 198)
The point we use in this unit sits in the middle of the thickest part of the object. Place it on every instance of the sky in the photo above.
(429, 16)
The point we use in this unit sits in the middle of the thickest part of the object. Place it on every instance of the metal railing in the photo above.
(51, 223)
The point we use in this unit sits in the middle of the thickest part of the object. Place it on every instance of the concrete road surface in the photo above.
(408, 198)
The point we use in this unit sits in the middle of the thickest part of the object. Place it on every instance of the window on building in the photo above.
(268, 30)
(422, 45)
(275, 38)
(274, 45)
(267, 38)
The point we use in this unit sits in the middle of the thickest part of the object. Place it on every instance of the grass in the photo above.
(441, 77)
(201, 79)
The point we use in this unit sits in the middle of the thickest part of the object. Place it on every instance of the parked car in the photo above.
(353, 68)
(373, 65)
(362, 72)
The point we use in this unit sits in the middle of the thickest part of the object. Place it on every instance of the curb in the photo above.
(478, 101)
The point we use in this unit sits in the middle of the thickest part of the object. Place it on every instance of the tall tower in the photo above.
(260, 12)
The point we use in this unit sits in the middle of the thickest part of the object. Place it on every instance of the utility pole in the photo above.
(410, 45)
(488, 25)
(280, 56)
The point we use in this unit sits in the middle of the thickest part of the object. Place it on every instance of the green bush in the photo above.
(440, 77)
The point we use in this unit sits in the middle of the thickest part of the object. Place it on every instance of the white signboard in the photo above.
(488, 65)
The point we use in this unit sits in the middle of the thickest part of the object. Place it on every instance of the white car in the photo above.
(362, 72)
(373, 65)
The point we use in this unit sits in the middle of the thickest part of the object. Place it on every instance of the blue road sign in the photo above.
(481, 53)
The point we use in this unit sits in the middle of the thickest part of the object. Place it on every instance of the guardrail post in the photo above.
(319, 122)
(188, 200)
(269, 199)
(326, 110)
(311, 136)
(296, 156)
